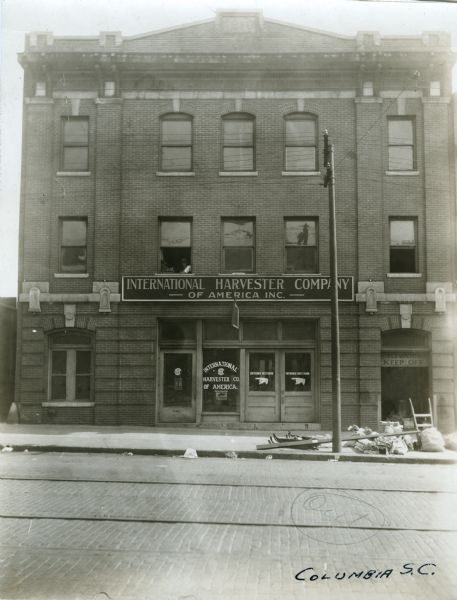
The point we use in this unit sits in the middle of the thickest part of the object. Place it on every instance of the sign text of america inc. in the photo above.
(226, 287)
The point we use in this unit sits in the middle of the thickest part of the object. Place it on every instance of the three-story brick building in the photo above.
(168, 175)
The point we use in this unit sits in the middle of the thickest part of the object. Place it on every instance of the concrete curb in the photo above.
(256, 454)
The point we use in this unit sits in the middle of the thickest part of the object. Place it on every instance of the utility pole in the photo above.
(329, 181)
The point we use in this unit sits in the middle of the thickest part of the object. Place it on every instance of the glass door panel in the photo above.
(178, 385)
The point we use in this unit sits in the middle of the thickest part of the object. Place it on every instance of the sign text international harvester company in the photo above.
(176, 288)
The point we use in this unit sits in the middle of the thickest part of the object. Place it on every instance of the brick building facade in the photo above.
(166, 174)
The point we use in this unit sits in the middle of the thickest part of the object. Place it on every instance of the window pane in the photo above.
(221, 380)
(301, 260)
(177, 331)
(238, 233)
(238, 133)
(176, 132)
(175, 260)
(76, 131)
(261, 371)
(238, 259)
(218, 330)
(175, 233)
(402, 260)
(298, 371)
(176, 158)
(82, 387)
(59, 362)
(401, 158)
(83, 361)
(300, 159)
(75, 159)
(300, 132)
(59, 387)
(73, 260)
(298, 330)
(74, 233)
(400, 132)
(259, 330)
(301, 233)
(238, 159)
(177, 380)
(402, 233)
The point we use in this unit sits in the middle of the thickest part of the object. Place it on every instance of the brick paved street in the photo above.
(154, 528)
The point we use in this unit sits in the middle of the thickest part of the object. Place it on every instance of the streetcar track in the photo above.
(223, 523)
(235, 485)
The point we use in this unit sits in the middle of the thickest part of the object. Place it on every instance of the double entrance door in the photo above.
(275, 386)
(279, 386)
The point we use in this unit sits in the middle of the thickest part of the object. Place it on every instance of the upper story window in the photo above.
(368, 88)
(402, 152)
(175, 246)
(75, 142)
(73, 245)
(70, 367)
(176, 142)
(403, 245)
(301, 142)
(109, 89)
(435, 88)
(238, 243)
(40, 89)
(301, 245)
(238, 142)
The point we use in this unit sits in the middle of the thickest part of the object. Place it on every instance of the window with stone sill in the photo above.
(401, 144)
(238, 245)
(73, 245)
(75, 144)
(70, 367)
(403, 245)
(300, 152)
(238, 146)
(175, 246)
(176, 143)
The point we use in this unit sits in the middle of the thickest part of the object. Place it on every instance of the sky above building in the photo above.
(88, 17)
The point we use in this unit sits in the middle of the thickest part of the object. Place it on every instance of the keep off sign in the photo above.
(183, 288)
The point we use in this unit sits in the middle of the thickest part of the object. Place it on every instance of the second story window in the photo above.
(301, 246)
(176, 142)
(175, 246)
(402, 155)
(109, 89)
(238, 142)
(403, 247)
(301, 143)
(40, 89)
(75, 141)
(238, 245)
(73, 245)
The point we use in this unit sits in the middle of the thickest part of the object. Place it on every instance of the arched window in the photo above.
(238, 142)
(70, 367)
(300, 152)
(176, 142)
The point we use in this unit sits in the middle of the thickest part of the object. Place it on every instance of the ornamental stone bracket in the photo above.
(69, 311)
(37, 292)
(406, 310)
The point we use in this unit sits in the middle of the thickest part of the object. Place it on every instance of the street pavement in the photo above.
(97, 526)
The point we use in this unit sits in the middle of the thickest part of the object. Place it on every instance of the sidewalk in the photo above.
(170, 442)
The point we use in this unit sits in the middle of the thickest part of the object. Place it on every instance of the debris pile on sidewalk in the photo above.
(391, 441)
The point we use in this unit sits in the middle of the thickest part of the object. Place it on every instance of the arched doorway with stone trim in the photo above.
(405, 372)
